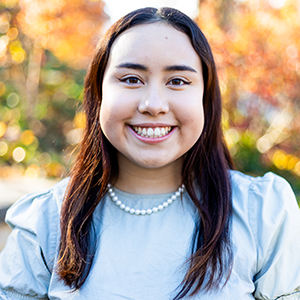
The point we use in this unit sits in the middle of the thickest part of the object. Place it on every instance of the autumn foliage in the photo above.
(256, 47)
(69, 29)
(45, 47)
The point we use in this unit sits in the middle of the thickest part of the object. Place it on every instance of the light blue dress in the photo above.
(142, 257)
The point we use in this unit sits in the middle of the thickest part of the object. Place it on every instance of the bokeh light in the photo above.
(277, 3)
(32, 171)
(27, 137)
(18, 154)
(2, 88)
(3, 148)
(2, 129)
(44, 55)
(12, 100)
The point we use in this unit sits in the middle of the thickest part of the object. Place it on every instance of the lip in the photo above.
(152, 140)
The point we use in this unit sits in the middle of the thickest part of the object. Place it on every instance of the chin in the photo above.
(152, 165)
(155, 164)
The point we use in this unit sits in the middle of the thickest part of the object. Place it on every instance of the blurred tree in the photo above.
(43, 52)
(46, 45)
(256, 45)
(69, 29)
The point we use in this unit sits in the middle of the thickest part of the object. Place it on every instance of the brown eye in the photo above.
(178, 82)
(131, 80)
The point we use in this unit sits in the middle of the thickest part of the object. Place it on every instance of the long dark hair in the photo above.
(205, 166)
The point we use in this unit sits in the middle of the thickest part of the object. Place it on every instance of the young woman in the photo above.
(153, 209)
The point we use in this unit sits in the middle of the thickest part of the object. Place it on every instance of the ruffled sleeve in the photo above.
(275, 221)
(27, 261)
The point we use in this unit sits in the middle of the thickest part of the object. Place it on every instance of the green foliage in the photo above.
(250, 161)
(41, 83)
(43, 132)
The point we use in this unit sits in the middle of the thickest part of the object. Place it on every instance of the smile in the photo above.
(150, 132)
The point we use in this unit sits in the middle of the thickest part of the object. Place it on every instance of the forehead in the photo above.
(158, 40)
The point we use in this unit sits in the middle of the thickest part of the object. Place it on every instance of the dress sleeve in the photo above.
(26, 262)
(275, 220)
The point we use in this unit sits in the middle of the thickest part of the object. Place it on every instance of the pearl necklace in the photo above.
(143, 212)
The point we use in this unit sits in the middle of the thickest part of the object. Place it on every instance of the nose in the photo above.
(153, 103)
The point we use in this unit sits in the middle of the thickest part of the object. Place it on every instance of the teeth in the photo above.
(157, 132)
(150, 132)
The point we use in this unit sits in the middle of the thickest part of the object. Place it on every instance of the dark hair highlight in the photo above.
(205, 167)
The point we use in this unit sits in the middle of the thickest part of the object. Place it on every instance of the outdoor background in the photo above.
(45, 48)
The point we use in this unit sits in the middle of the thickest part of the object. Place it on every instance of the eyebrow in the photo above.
(133, 66)
(140, 67)
(180, 68)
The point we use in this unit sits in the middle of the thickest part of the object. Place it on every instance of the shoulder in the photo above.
(38, 214)
(241, 180)
(262, 191)
(265, 201)
(27, 260)
(267, 207)
(35, 206)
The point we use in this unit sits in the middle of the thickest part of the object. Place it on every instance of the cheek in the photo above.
(112, 118)
(107, 118)
(110, 109)
(193, 116)
(104, 114)
(108, 126)
(197, 125)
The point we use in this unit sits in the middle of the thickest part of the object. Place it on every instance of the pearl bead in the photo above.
(155, 209)
(143, 212)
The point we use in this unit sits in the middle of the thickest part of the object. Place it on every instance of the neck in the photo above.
(140, 180)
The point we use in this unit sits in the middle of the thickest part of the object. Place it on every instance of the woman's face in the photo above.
(152, 110)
